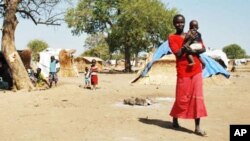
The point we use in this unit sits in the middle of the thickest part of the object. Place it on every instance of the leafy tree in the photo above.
(40, 12)
(131, 25)
(99, 51)
(37, 46)
(234, 51)
(94, 40)
(96, 46)
(117, 56)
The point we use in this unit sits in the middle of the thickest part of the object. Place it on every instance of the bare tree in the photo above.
(40, 12)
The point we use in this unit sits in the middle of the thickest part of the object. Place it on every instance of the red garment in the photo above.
(182, 67)
(94, 77)
(94, 70)
(189, 102)
(94, 80)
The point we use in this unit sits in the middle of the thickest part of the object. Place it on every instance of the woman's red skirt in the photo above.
(189, 102)
(94, 80)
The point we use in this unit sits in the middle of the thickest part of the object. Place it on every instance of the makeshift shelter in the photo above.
(82, 62)
(65, 66)
(44, 60)
(219, 56)
(161, 70)
(25, 56)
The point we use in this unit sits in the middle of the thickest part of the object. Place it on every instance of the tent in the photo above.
(161, 69)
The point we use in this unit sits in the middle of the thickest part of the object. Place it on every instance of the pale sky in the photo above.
(221, 23)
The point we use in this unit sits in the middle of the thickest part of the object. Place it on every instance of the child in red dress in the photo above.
(93, 73)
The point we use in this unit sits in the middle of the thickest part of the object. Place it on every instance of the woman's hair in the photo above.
(93, 61)
(177, 16)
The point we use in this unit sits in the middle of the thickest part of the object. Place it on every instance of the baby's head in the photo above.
(194, 25)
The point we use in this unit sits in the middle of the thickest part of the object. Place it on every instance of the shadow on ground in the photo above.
(164, 124)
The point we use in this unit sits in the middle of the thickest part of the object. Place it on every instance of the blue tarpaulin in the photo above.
(162, 50)
(212, 67)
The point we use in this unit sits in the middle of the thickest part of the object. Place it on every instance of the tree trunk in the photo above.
(127, 59)
(136, 59)
(17, 69)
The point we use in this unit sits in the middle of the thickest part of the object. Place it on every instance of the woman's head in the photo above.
(93, 62)
(179, 23)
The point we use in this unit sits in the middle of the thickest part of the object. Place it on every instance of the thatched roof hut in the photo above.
(82, 62)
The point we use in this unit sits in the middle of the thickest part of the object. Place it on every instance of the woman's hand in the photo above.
(191, 51)
(190, 37)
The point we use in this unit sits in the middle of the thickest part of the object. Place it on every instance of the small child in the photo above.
(53, 71)
(40, 78)
(87, 78)
(93, 72)
(196, 44)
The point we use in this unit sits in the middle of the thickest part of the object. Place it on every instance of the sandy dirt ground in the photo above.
(70, 113)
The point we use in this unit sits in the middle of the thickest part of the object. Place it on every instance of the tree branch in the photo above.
(28, 14)
(41, 11)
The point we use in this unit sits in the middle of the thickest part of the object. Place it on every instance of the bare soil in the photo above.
(70, 113)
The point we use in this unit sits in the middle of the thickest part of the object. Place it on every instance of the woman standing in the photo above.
(189, 102)
(93, 73)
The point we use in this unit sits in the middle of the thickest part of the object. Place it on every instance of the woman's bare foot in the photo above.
(200, 133)
(176, 125)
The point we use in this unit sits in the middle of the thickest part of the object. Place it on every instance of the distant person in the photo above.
(40, 79)
(53, 71)
(87, 78)
(234, 66)
(189, 101)
(196, 43)
(93, 73)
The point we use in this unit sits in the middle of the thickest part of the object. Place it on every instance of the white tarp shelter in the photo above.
(44, 61)
(218, 54)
